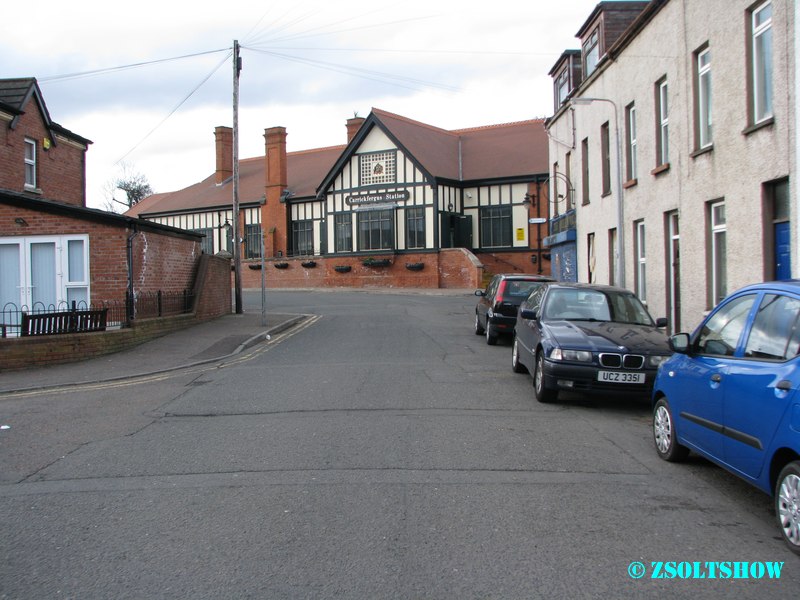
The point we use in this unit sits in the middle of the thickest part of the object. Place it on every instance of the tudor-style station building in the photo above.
(403, 203)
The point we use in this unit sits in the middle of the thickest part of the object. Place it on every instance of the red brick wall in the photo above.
(60, 170)
(213, 300)
(161, 262)
(454, 268)
(514, 262)
(212, 288)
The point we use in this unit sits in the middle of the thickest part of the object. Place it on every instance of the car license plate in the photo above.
(620, 377)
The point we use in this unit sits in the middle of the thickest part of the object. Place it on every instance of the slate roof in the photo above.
(304, 171)
(492, 152)
(16, 93)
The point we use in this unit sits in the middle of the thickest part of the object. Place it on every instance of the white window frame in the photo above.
(68, 282)
(704, 113)
(632, 144)
(30, 164)
(718, 239)
(641, 260)
(663, 122)
(762, 65)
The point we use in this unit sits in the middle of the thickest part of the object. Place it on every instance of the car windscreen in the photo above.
(519, 290)
(595, 305)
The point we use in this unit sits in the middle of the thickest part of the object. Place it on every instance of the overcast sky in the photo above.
(308, 65)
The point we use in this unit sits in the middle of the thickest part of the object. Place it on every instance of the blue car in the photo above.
(729, 393)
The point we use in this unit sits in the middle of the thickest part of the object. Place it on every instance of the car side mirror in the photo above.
(661, 322)
(480, 293)
(527, 313)
(679, 343)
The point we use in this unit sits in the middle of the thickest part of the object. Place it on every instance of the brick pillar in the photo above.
(353, 125)
(274, 212)
(223, 137)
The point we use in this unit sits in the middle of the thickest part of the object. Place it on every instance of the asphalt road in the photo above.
(380, 451)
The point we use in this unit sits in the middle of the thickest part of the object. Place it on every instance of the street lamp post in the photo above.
(620, 275)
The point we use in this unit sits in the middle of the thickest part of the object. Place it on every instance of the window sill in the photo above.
(605, 194)
(630, 183)
(32, 189)
(701, 151)
(755, 127)
(660, 169)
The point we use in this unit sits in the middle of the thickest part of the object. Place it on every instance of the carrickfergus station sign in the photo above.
(379, 198)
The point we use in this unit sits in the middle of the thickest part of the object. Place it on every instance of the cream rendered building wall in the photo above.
(734, 170)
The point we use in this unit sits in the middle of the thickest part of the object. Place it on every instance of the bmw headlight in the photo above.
(571, 355)
(655, 360)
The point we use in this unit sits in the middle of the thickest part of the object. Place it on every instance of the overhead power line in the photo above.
(78, 75)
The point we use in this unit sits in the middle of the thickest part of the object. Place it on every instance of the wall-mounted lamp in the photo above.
(450, 207)
(286, 194)
(21, 222)
(226, 225)
(529, 200)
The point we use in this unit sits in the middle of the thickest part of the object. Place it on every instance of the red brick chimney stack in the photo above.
(274, 212)
(224, 145)
(353, 125)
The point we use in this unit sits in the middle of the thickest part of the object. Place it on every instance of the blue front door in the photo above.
(783, 251)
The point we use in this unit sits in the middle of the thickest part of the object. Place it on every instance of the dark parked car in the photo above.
(588, 339)
(729, 393)
(496, 311)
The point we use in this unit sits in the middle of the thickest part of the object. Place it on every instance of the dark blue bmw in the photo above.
(588, 339)
(729, 393)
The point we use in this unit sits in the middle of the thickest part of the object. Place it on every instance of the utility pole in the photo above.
(237, 260)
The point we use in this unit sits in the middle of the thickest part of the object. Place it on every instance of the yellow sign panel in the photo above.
(520, 234)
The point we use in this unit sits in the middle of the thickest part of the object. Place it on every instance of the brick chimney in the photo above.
(224, 145)
(353, 125)
(274, 213)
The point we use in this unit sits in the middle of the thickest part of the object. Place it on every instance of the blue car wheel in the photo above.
(787, 504)
(664, 436)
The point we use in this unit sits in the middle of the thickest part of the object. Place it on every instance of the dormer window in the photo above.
(562, 87)
(591, 52)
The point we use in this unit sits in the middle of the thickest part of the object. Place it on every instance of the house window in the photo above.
(378, 168)
(591, 258)
(612, 256)
(570, 193)
(30, 164)
(376, 230)
(718, 271)
(630, 143)
(44, 272)
(343, 232)
(703, 99)
(302, 237)
(662, 123)
(415, 228)
(640, 276)
(562, 87)
(761, 66)
(585, 171)
(591, 52)
(495, 226)
(207, 243)
(605, 152)
(252, 241)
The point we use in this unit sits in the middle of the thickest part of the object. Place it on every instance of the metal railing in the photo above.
(145, 305)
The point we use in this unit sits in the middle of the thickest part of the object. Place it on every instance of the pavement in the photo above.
(205, 342)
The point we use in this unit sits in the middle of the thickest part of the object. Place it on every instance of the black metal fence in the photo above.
(120, 312)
